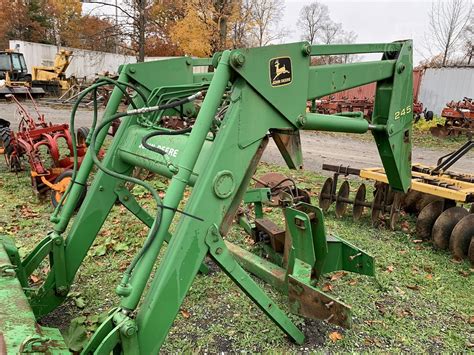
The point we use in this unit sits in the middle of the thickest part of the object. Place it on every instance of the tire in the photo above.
(4, 123)
(428, 115)
(56, 195)
(10, 152)
(81, 136)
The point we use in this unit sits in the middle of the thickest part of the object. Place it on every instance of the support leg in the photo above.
(224, 258)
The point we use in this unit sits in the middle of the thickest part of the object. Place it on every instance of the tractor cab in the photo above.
(14, 77)
(14, 64)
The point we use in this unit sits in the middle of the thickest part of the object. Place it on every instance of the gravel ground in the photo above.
(318, 148)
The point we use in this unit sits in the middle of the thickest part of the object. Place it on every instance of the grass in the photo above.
(421, 300)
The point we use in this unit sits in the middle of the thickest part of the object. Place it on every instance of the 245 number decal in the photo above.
(403, 112)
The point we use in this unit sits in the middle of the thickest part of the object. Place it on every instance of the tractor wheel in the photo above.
(445, 224)
(9, 150)
(428, 115)
(63, 181)
(81, 136)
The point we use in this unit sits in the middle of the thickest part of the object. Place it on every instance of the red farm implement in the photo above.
(361, 99)
(459, 117)
(48, 148)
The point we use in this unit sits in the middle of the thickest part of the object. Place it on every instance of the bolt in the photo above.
(219, 251)
(101, 188)
(58, 241)
(129, 329)
(401, 68)
(237, 59)
(188, 61)
(125, 198)
(306, 49)
(352, 257)
(301, 120)
(132, 70)
(329, 304)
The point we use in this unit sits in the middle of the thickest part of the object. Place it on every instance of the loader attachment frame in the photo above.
(252, 94)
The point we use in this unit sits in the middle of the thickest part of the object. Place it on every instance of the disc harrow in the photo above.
(440, 200)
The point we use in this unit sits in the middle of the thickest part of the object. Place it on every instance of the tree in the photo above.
(133, 24)
(241, 24)
(24, 20)
(65, 17)
(468, 45)
(192, 34)
(266, 16)
(205, 27)
(311, 20)
(448, 20)
(164, 15)
(96, 34)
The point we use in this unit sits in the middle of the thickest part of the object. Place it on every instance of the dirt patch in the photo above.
(319, 148)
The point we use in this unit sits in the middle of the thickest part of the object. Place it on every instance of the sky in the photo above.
(372, 21)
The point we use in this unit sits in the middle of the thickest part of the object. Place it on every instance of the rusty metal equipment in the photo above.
(47, 147)
(361, 99)
(459, 117)
(252, 95)
(438, 197)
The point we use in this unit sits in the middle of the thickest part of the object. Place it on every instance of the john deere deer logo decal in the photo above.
(280, 71)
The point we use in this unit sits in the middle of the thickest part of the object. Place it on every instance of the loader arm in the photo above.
(252, 95)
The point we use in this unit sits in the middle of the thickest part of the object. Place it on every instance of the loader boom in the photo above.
(252, 95)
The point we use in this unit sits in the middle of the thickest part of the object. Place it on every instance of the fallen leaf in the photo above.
(327, 287)
(335, 336)
(464, 273)
(353, 282)
(471, 320)
(417, 241)
(381, 308)
(390, 268)
(429, 277)
(338, 275)
(413, 287)
(402, 252)
(34, 279)
(185, 314)
(399, 290)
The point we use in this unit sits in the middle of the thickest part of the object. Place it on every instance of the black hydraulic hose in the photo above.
(156, 222)
(162, 133)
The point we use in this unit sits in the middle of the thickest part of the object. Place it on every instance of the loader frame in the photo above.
(265, 91)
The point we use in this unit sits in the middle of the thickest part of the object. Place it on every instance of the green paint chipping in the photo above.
(18, 328)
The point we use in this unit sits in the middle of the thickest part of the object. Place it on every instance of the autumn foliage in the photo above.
(161, 27)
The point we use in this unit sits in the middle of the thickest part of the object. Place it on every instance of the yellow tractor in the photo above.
(53, 78)
(14, 77)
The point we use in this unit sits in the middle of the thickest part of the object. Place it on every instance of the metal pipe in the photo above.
(331, 123)
(181, 180)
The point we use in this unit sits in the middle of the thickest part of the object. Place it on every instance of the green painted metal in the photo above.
(18, 327)
(333, 123)
(264, 92)
(309, 254)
